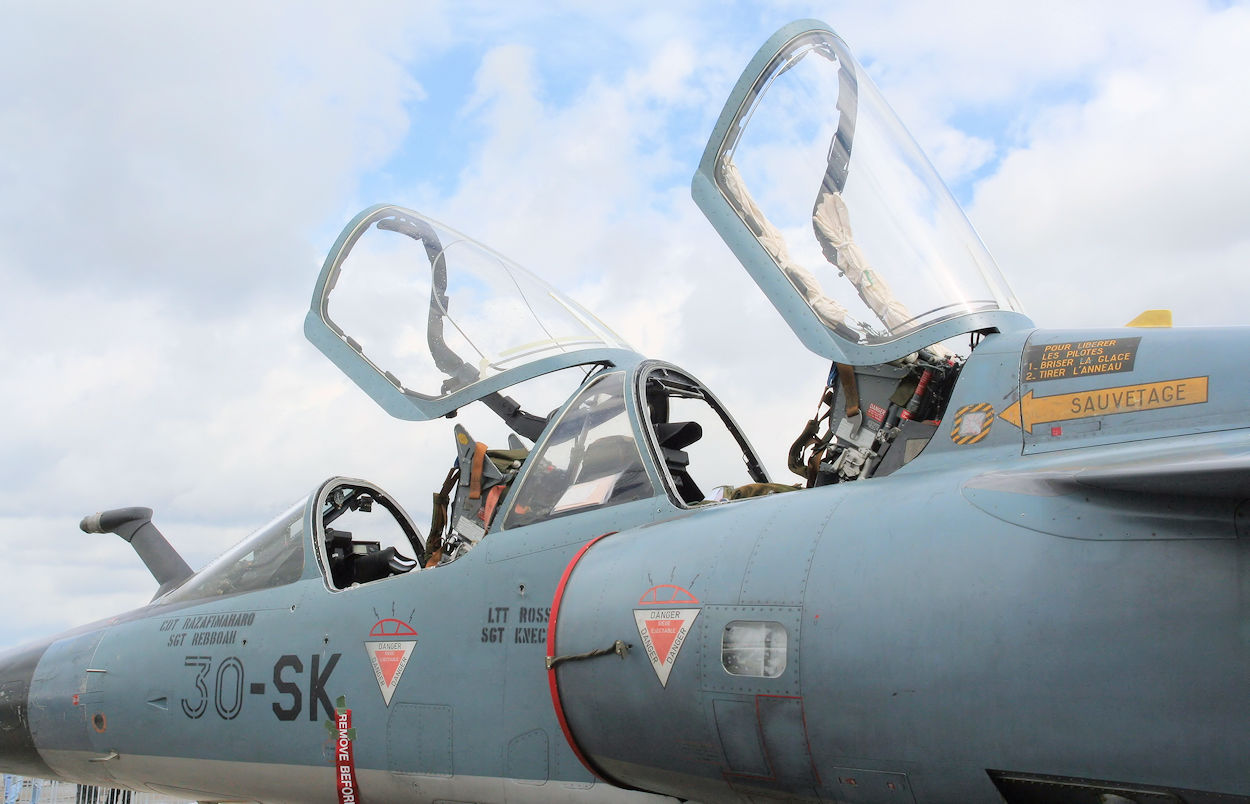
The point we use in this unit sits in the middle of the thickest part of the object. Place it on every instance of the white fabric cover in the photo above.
(832, 223)
(828, 310)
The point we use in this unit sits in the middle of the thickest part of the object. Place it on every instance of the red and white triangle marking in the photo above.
(388, 660)
(663, 632)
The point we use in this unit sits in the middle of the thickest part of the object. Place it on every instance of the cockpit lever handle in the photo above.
(618, 647)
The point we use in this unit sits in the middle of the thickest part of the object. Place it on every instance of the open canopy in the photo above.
(426, 320)
(836, 213)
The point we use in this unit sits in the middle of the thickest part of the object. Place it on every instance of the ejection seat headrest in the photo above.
(609, 455)
(678, 435)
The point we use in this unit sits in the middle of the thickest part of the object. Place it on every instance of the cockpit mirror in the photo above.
(835, 212)
(426, 320)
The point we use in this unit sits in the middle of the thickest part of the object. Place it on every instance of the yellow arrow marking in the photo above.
(1031, 410)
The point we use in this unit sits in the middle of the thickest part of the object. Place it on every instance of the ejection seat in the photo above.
(356, 562)
(673, 438)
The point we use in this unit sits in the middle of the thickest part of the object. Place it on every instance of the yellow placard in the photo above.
(1031, 410)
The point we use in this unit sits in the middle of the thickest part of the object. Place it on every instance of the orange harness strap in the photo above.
(438, 520)
(475, 473)
(492, 501)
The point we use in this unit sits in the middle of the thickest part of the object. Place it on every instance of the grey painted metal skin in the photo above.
(945, 621)
(471, 720)
(1049, 612)
(932, 637)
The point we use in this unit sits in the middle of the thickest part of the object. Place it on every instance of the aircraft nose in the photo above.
(17, 746)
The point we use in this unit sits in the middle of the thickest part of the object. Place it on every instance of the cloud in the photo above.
(1145, 179)
(164, 175)
(183, 149)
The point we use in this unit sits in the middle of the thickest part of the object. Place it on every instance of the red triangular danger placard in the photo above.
(389, 660)
(663, 632)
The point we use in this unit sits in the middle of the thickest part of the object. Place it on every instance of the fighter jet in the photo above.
(1015, 565)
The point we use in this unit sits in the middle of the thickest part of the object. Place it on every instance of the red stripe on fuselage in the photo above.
(551, 652)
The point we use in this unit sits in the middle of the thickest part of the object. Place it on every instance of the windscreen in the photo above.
(590, 460)
(272, 556)
(844, 203)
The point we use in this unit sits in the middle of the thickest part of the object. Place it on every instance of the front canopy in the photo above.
(837, 214)
(426, 320)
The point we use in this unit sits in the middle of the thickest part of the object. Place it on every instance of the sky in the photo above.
(172, 175)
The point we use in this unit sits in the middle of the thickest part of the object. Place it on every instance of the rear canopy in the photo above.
(836, 213)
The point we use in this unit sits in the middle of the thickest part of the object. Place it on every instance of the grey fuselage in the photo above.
(1050, 605)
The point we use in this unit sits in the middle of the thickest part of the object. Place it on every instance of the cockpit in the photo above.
(634, 435)
(347, 530)
(635, 430)
(644, 433)
(831, 208)
(362, 535)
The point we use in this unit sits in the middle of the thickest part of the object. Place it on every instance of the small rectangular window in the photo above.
(752, 648)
